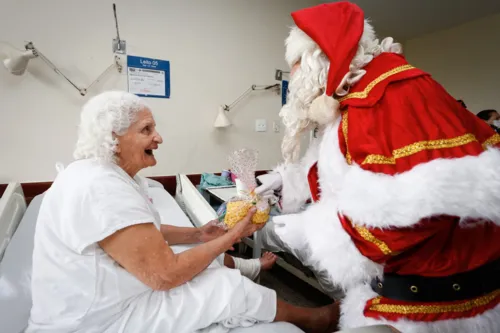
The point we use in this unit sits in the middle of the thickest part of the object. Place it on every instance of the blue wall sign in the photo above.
(284, 91)
(148, 77)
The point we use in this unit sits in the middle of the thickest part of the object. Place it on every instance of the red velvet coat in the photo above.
(394, 120)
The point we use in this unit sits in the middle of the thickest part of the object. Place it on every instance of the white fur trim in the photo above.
(467, 187)
(352, 317)
(297, 44)
(318, 232)
(331, 164)
(324, 110)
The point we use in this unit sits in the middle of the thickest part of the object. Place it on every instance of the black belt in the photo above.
(463, 286)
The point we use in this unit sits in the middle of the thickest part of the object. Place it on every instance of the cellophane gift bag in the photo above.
(243, 164)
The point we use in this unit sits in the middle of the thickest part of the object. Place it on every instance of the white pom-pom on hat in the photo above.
(324, 110)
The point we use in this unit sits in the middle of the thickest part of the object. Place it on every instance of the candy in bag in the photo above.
(243, 164)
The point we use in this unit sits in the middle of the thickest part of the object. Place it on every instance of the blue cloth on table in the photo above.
(211, 180)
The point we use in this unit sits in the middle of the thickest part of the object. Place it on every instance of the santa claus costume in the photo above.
(405, 182)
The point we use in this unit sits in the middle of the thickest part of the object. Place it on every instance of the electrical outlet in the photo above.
(276, 127)
(260, 125)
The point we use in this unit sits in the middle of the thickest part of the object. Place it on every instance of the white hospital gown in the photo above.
(77, 287)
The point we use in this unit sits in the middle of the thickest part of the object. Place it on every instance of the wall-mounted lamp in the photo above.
(18, 62)
(222, 120)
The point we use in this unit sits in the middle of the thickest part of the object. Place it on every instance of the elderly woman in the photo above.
(102, 260)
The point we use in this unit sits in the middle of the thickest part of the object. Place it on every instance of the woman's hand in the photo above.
(211, 230)
(245, 227)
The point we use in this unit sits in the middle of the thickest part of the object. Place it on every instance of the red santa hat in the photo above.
(336, 28)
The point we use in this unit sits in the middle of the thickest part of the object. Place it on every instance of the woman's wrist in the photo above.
(197, 236)
(233, 237)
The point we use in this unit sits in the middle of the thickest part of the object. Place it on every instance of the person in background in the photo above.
(491, 117)
(103, 261)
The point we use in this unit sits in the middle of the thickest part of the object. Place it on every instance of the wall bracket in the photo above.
(119, 46)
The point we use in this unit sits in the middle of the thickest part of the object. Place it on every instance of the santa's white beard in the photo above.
(303, 89)
(294, 129)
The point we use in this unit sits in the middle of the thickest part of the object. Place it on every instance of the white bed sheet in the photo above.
(15, 268)
(169, 210)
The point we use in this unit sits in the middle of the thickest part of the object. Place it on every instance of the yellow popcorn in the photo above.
(237, 210)
(243, 164)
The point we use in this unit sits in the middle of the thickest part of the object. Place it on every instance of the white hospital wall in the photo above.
(464, 59)
(217, 50)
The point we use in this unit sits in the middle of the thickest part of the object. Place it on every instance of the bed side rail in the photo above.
(12, 209)
(192, 202)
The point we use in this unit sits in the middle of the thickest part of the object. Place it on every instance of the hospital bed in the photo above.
(17, 225)
(17, 228)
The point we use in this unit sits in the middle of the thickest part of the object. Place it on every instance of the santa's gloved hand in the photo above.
(270, 183)
(290, 229)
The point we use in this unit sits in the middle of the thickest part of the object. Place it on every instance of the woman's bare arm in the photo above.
(180, 235)
(185, 235)
(142, 251)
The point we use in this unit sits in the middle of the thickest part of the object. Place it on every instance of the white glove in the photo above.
(271, 182)
(290, 230)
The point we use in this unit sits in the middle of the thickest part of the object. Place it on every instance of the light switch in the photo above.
(276, 127)
(260, 125)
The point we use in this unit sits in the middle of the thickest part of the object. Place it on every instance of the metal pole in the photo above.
(117, 30)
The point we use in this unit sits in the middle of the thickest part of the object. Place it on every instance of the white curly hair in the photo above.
(309, 81)
(104, 116)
